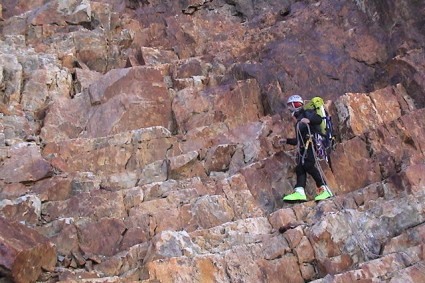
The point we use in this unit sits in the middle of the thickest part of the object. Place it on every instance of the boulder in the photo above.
(112, 154)
(240, 197)
(210, 211)
(25, 252)
(226, 236)
(16, 128)
(153, 56)
(96, 204)
(352, 167)
(24, 164)
(25, 209)
(61, 13)
(11, 76)
(361, 112)
(201, 269)
(268, 180)
(129, 99)
(171, 244)
(92, 243)
(195, 109)
(66, 118)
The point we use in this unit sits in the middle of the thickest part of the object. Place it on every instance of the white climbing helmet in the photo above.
(295, 103)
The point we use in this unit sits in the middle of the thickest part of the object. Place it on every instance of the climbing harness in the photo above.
(310, 142)
(302, 144)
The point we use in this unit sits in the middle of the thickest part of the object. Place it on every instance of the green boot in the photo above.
(323, 193)
(298, 195)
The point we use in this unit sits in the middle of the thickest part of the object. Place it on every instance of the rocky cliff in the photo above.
(137, 140)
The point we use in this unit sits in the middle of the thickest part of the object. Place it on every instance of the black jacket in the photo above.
(315, 121)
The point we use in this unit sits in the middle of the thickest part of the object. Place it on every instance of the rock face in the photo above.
(138, 141)
(25, 253)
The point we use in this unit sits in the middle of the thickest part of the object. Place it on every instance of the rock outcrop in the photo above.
(138, 141)
(25, 253)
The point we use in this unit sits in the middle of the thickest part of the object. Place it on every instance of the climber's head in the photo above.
(295, 103)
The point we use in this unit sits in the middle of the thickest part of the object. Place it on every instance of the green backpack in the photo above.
(318, 104)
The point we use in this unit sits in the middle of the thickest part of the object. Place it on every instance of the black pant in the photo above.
(308, 165)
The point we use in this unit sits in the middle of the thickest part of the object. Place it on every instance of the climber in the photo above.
(307, 123)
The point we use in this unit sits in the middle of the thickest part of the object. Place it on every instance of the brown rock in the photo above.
(85, 78)
(193, 109)
(157, 171)
(410, 70)
(171, 244)
(25, 163)
(294, 236)
(352, 166)
(335, 265)
(54, 13)
(152, 217)
(35, 92)
(91, 241)
(14, 190)
(51, 189)
(411, 237)
(304, 251)
(210, 211)
(386, 140)
(186, 166)
(121, 104)
(360, 112)
(158, 190)
(251, 270)
(63, 234)
(16, 128)
(382, 265)
(413, 176)
(387, 104)
(126, 151)
(264, 181)
(97, 204)
(218, 158)
(91, 49)
(240, 197)
(325, 242)
(66, 118)
(372, 192)
(282, 269)
(283, 218)
(123, 262)
(84, 182)
(25, 253)
(275, 247)
(413, 126)
(153, 56)
(200, 269)
(25, 209)
(102, 13)
(133, 197)
(410, 274)
(11, 87)
(303, 211)
(239, 233)
(365, 47)
(308, 271)
(188, 68)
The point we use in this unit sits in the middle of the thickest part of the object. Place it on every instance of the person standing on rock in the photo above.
(307, 123)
